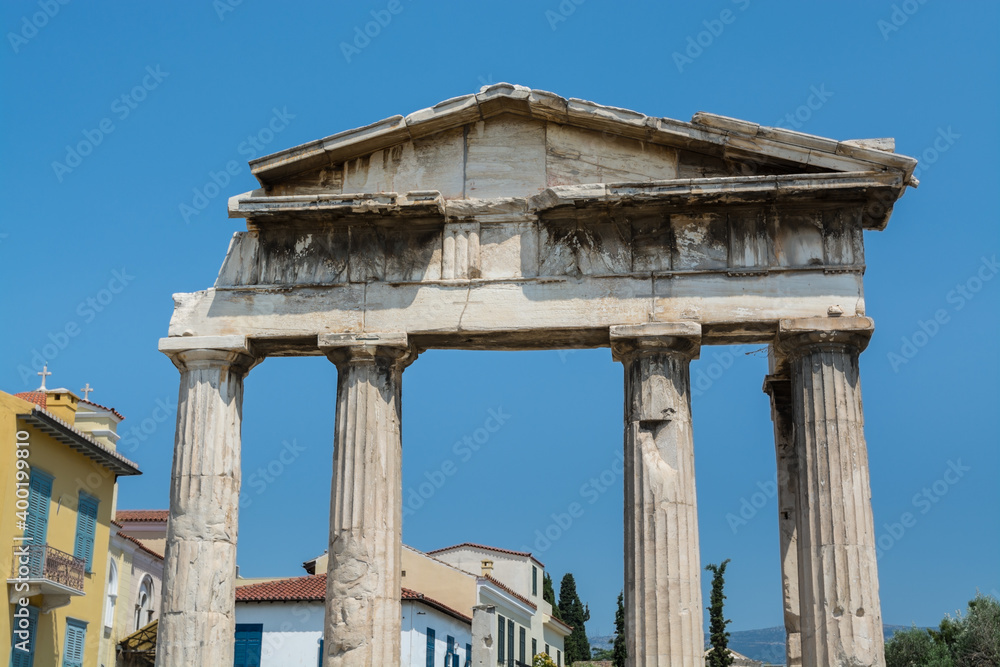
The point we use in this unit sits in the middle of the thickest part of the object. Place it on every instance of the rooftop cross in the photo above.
(44, 372)
(86, 389)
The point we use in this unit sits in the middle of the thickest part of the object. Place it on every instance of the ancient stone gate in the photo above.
(516, 219)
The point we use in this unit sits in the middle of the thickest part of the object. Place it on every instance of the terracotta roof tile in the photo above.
(312, 588)
(36, 397)
(103, 407)
(141, 515)
(524, 554)
(294, 589)
(139, 544)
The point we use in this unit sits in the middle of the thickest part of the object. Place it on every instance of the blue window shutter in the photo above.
(430, 647)
(249, 638)
(76, 639)
(37, 524)
(19, 658)
(320, 652)
(510, 643)
(86, 528)
(468, 655)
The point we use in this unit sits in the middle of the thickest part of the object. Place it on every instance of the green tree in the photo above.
(549, 594)
(916, 648)
(969, 640)
(575, 614)
(719, 656)
(619, 652)
(543, 660)
(601, 654)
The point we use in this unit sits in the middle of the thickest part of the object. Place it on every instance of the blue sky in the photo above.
(163, 96)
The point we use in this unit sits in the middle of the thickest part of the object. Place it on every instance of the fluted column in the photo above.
(841, 620)
(780, 390)
(663, 609)
(197, 622)
(363, 578)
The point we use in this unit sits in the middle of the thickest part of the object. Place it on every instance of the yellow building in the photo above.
(58, 472)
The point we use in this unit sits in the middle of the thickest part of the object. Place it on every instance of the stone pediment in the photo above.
(512, 142)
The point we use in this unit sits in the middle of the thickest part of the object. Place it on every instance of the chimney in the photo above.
(99, 422)
(487, 567)
(62, 403)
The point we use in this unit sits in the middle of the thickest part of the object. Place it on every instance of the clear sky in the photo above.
(155, 98)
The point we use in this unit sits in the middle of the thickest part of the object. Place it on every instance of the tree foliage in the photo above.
(619, 652)
(543, 660)
(574, 613)
(719, 656)
(969, 640)
(549, 594)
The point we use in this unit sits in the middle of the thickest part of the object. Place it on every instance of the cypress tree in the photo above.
(549, 595)
(619, 652)
(574, 613)
(719, 656)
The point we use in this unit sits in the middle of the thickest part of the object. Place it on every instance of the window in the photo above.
(144, 603)
(86, 526)
(37, 524)
(524, 646)
(76, 638)
(430, 647)
(501, 643)
(451, 655)
(468, 655)
(534, 581)
(534, 648)
(320, 662)
(510, 643)
(22, 652)
(248, 642)
(547, 652)
(111, 596)
(558, 658)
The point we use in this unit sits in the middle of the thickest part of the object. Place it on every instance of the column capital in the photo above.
(797, 336)
(196, 352)
(778, 387)
(679, 337)
(342, 348)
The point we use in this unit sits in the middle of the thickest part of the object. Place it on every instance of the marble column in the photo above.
(780, 390)
(198, 606)
(663, 608)
(363, 578)
(841, 620)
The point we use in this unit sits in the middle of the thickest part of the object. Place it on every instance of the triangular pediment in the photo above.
(510, 141)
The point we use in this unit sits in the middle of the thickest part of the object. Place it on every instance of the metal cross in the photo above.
(86, 391)
(45, 372)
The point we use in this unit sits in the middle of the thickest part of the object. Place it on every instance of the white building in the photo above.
(280, 622)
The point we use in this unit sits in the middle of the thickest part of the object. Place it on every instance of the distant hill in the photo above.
(766, 644)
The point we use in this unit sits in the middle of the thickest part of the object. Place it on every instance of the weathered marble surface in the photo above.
(663, 609)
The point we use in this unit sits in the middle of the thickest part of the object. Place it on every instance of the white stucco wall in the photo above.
(292, 631)
(417, 618)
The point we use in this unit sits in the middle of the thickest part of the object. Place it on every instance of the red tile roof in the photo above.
(139, 544)
(36, 397)
(510, 590)
(312, 588)
(103, 407)
(141, 515)
(523, 554)
(296, 589)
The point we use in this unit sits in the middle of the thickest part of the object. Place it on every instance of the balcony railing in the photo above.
(40, 561)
